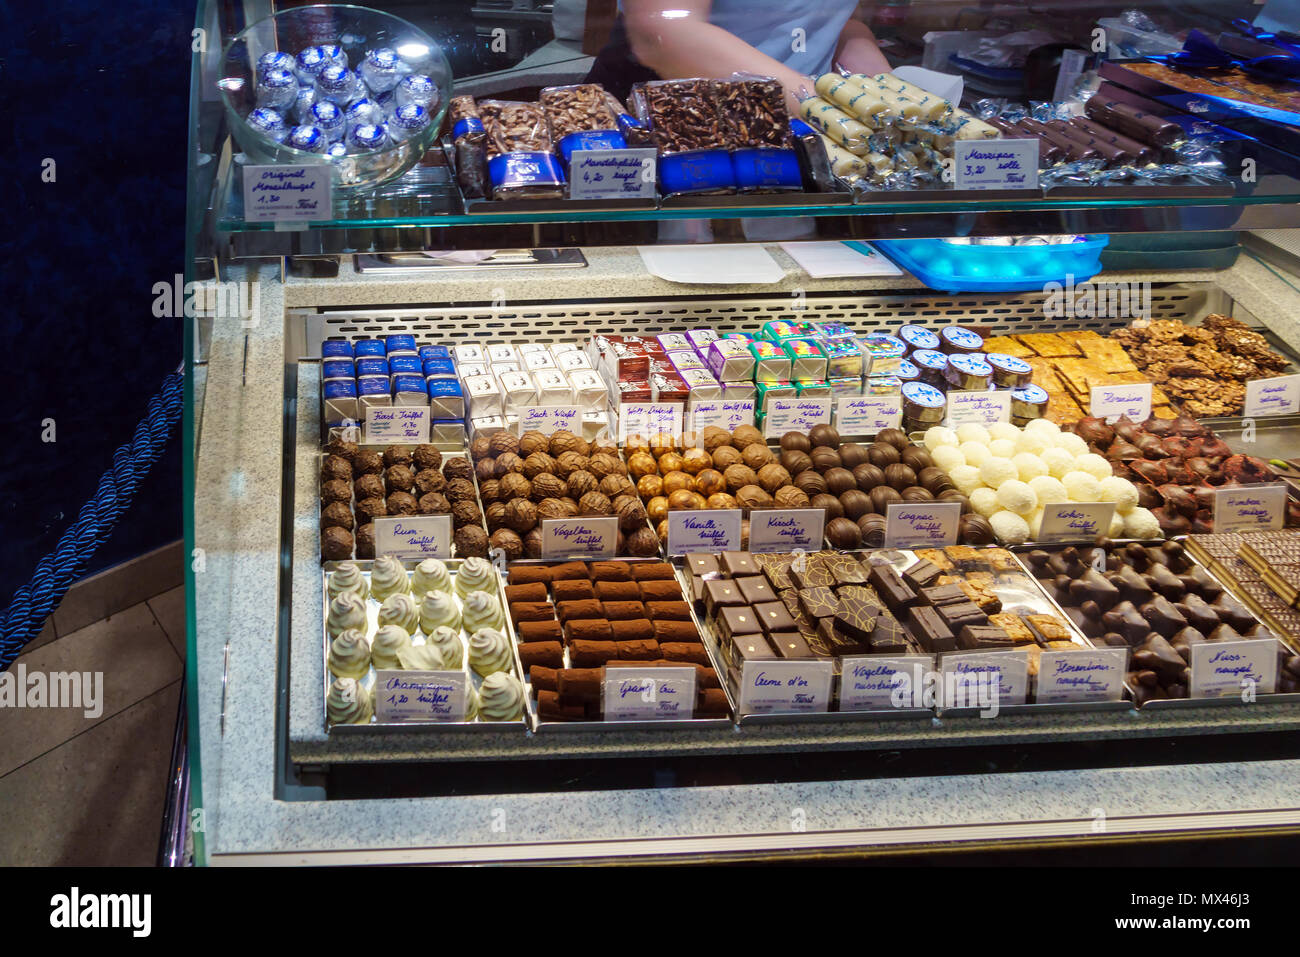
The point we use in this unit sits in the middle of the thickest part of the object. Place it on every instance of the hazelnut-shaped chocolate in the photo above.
(726, 457)
(426, 457)
(508, 543)
(539, 463)
(602, 465)
(335, 467)
(336, 544)
(839, 481)
(460, 490)
(713, 438)
(580, 483)
(753, 496)
(716, 500)
(657, 508)
(795, 442)
(336, 515)
(546, 485)
(402, 503)
(916, 458)
(738, 476)
(641, 543)
(670, 462)
(397, 455)
(366, 541)
(696, 461)
(370, 486)
(852, 455)
(565, 441)
(745, 436)
(899, 476)
(883, 454)
(662, 443)
(648, 486)
(457, 468)
(368, 509)
(551, 508)
(521, 514)
(772, 476)
(485, 469)
(794, 461)
(495, 516)
(534, 441)
(503, 441)
(824, 435)
(428, 480)
(338, 490)
(710, 482)
(612, 486)
(594, 503)
(872, 527)
(810, 481)
(470, 541)
(787, 496)
(843, 534)
(514, 485)
(630, 512)
(895, 437)
(674, 481)
(824, 457)
(868, 476)
(566, 463)
(828, 503)
(882, 496)
(435, 503)
(480, 447)
(467, 513)
(642, 463)
(856, 503)
(756, 456)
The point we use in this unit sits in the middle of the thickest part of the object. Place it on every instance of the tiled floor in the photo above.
(89, 790)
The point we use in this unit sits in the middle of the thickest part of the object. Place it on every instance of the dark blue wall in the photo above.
(103, 89)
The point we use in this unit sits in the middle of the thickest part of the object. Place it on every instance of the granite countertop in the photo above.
(241, 689)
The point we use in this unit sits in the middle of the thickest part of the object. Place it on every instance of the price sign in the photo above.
(711, 530)
(397, 425)
(729, 414)
(868, 414)
(612, 174)
(582, 538)
(984, 680)
(785, 687)
(1225, 669)
(1109, 402)
(876, 682)
(996, 164)
(648, 419)
(648, 694)
(1076, 522)
(549, 419)
(1086, 674)
(796, 415)
(420, 696)
(288, 193)
(786, 530)
(413, 536)
(921, 525)
(982, 408)
(1278, 396)
(1250, 508)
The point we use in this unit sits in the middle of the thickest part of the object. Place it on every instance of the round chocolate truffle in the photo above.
(401, 503)
(480, 447)
(883, 454)
(772, 476)
(457, 468)
(347, 450)
(485, 469)
(872, 527)
(533, 441)
(675, 481)
(426, 457)
(868, 476)
(795, 442)
(852, 455)
(843, 534)
(895, 437)
(641, 543)
(466, 513)
(503, 441)
(828, 503)
(753, 496)
(935, 479)
(566, 463)
(508, 543)
(495, 516)
(550, 508)
(824, 435)
(514, 485)
(372, 486)
(696, 461)
(810, 481)
(738, 476)
(916, 458)
(470, 541)
(400, 478)
(565, 441)
(581, 482)
(787, 496)
(368, 462)
(335, 544)
(716, 500)
(533, 543)
(506, 463)
(795, 461)
(459, 490)
(336, 490)
(856, 503)
(370, 508)
(682, 499)
(366, 541)
(648, 486)
(336, 515)
(756, 455)
(642, 463)
(974, 530)
(899, 476)
(726, 457)
(537, 464)
(612, 486)
(839, 481)
(546, 485)
(631, 513)
(521, 514)
(712, 438)
(952, 495)
(489, 491)
(397, 455)
(429, 480)
(824, 457)
(708, 482)
(745, 436)
(882, 496)
(335, 468)
(916, 495)
(594, 503)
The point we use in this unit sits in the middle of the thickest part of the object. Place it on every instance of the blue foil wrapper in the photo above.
(439, 367)
(696, 171)
(338, 368)
(515, 170)
(370, 347)
(400, 343)
(590, 140)
(766, 168)
(372, 365)
(434, 352)
(335, 347)
(405, 363)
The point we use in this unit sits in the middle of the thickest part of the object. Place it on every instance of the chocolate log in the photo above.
(577, 610)
(524, 574)
(589, 629)
(618, 591)
(549, 654)
(668, 610)
(638, 650)
(660, 590)
(532, 591)
(543, 678)
(531, 611)
(576, 589)
(676, 631)
(623, 610)
(653, 571)
(540, 631)
(684, 651)
(589, 654)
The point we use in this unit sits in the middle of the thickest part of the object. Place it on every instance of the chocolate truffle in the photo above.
(428, 480)
(426, 457)
(868, 476)
(435, 503)
(372, 486)
(533, 441)
(936, 480)
(470, 541)
(480, 447)
(796, 442)
(337, 490)
(753, 496)
(772, 477)
(506, 463)
(795, 461)
(565, 441)
(521, 515)
(400, 478)
(708, 482)
(631, 513)
(952, 495)
(872, 527)
(882, 496)
(594, 503)
(899, 476)
(545, 486)
(466, 513)
(369, 462)
(811, 482)
(787, 496)
(335, 467)
(370, 508)
(503, 442)
(825, 458)
(460, 490)
(402, 503)
(745, 436)
(852, 454)
(917, 494)
(533, 543)
(738, 476)
(336, 544)
(895, 437)
(642, 543)
(757, 455)
(716, 500)
(726, 457)
(549, 508)
(883, 454)
(612, 486)
(824, 435)
(457, 469)
(336, 515)
(566, 463)
(829, 503)
(508, 543)
(602, 465)
(397, 455)
(494, 515)
(347, 450)
(843, 534)
(916, 458)
(856, 503)
(839, 481)
(485, 469)
(974, 530)
(366, 541)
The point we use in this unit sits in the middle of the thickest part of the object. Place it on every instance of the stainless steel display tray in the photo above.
(372, 610)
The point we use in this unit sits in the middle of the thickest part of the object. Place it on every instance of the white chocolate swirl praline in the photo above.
(447, 641)
(438, 610)
(388, 577)
(347, 577)
(400, 610)
(388, 642)
(475, 574)
(348, 703)
(482, 610)
(501, 698)
(346, 611)
(489, 651)
(471, 701)
(430, 575)
(421, 658)
(349, 655)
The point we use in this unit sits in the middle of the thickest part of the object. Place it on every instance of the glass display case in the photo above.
(555, 370)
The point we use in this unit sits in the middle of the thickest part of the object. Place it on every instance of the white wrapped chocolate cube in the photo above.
(518, 391)
(536, 361)
(589, 390)
(553, 388)
(483, 396)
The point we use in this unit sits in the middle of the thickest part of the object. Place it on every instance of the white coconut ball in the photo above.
(1081, 487)
(975, 453)
(984, 501)
(1044, 427)
(965, 477)
(995, 471)
(1072, 444)
(1002, 448)
(1034, 442)
(1120, 491)
(1029, 465)
(1010, 527)
(973, 432)
(947, 457)
(1116, 529)
(1003, 430)
(1139, 523)
(1049, 490)
(1058, 462)
(1094, 465)
(1015, 496)
(939, 435)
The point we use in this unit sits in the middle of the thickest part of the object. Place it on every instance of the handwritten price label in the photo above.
(652, 694)
(1251, 508)
(868, 684)
(977, 679)
(397, 425)
(928, 525)
(549, 419)
(612, 174)
(414, 536)
(1109, 402)
(584, 538)
(1088, 674)
(1076, 522)
(785, 687)
(648, 419)
(288, 193)
(868, 414)
(996, 164)
(1224, 669)
(982, 408)
(1279, 396)
(420, 696)
(722, 413)
(796, 415)
(704, 531)
(788, 529)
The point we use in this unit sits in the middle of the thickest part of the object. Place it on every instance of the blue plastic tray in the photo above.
(951, 267)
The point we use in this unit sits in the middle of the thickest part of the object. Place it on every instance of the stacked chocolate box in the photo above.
(393, 371)
(575, 619)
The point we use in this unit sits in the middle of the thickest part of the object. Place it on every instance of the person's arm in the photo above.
(685, 44)
(857, 50)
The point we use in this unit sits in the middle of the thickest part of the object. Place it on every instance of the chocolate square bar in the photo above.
(984, 636)
(818, 602)
(921, 574)
(942, 595)
(701, 563)
(750, 648)
(776, 568)
(888, 637)
(839, 643)
(811, 573)
(959, 614)
(718, 593)
(738, 564)
(895, 592)
(738, 620)
(774, 616)
(856, 617)
(845, 570)
(755, 589)
(790, 645)
(930, 629)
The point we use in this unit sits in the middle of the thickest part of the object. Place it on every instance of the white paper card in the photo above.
(1076, 522)
(976, 679)
(786, 530)
(1088, 674)
(648, 419)
(1251, 508)
(796, 415)
(716, 264)
(397, 425)
(413, 536)
(785, 687)
(549, 419)
(869, 683)
(983, 408)
(1230, 669)
(829, 260)
(712, 530)
(648, 694)
(996, 164)
(1109, 402)
(920, 525)
(420, 695)
(868, 414)
(729, 414)
(288, 193)
(612, 174)
(582, 538)
(1279, 396)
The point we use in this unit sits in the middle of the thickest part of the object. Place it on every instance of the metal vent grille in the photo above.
(991, 315)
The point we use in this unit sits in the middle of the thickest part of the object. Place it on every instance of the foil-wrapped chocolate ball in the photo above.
(370, 462)
(899, 476)
(533, 441)
(811, 482)
(855, 503)
(336, 544)
(594, 503)
(366, 541)
(508, 543)
(795, 442)
(460, 490)
(882, 496)
(843, 534)
(738, 476)
(868, 476)
(787, 496)
(428, 480)
(397, 455)
(753, 496)
(457, 469)
(470, 541)
(335, 467)
(839, 480)
(400, 478)
(372, 486)
(772, 476)
(824, 435)
(830, 504)
(402, 503)
(336, 490)
(466, 513)
(503, 441)
(512, 485)
(795, 461)
(872, 527)
(521, 514)
(435, 503)
(336, 515)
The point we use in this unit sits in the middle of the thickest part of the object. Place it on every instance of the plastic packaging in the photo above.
(682, 117)
(582, 117)
(469, 139)
(520, 161)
